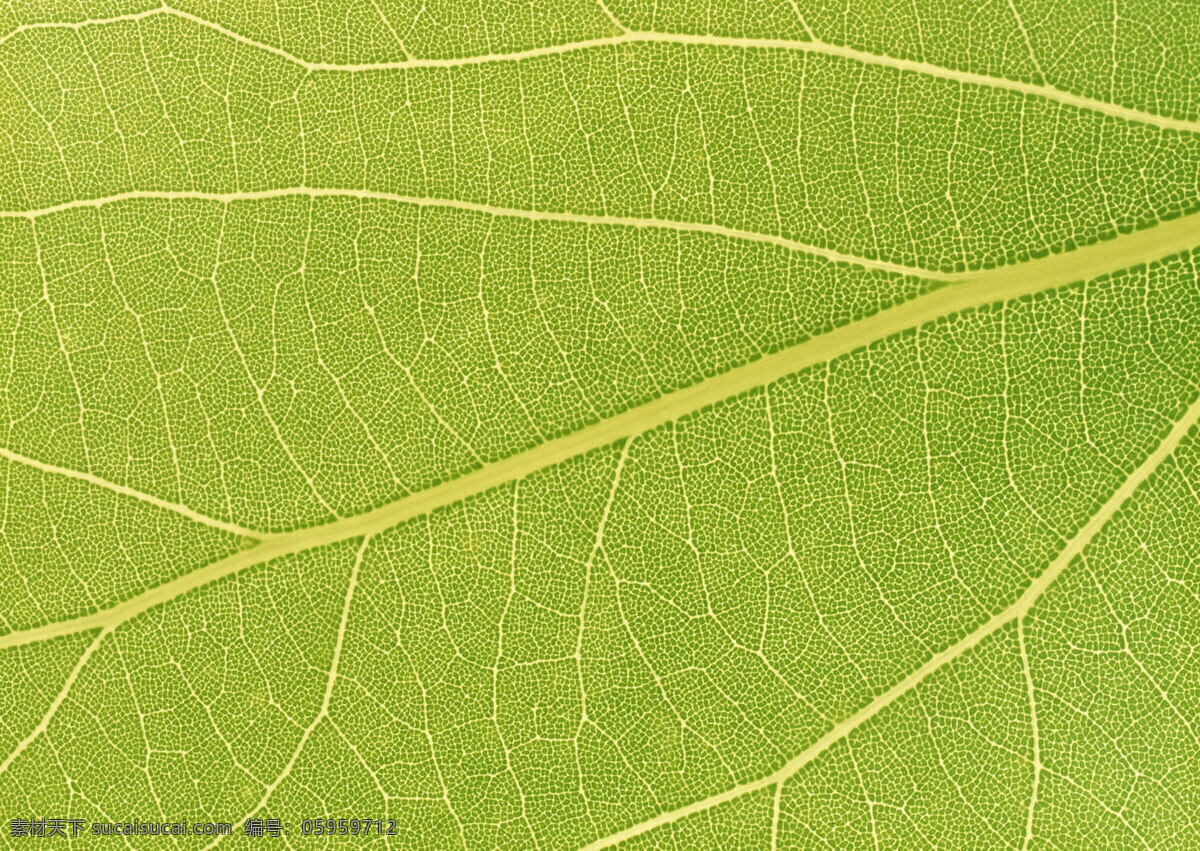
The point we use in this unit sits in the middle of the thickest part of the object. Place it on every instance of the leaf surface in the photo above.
(582, 425)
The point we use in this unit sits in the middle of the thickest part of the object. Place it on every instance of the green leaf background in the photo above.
(552, 424)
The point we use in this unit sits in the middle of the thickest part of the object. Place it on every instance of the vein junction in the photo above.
(664, 436)
(665, 424)
(998, 285)
(96, 481)
(1016, 612)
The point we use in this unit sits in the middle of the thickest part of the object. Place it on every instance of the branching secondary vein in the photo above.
(1014, 612)
(637, 418)
(1002, 284)
(181, 510)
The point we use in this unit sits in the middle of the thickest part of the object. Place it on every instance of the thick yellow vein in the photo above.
(1043, 90)
(181, 510)
(1017, 610)
(1004, 283)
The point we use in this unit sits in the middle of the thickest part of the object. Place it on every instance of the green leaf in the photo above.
(570, 425)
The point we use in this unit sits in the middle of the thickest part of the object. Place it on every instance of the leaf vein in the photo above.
(996, 285)
(1016, 611)
(1042, 89)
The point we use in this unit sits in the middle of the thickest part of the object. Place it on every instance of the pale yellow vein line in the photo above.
(79, 25)
(1007, 282)
(1037, 66)
(1144, 245)
(1043, 90)
(181, 510)
(613, 19)
(44, 724)
(776, 808)
(323, 712)
(533, 215)
(1033, 728)
(1017, 610)
(187, 16)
